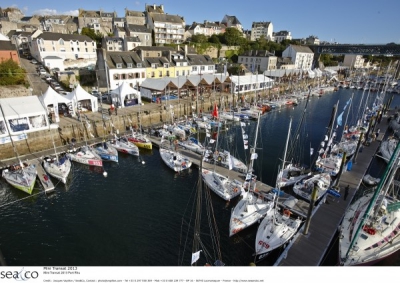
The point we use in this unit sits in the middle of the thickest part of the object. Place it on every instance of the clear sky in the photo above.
(343, 21)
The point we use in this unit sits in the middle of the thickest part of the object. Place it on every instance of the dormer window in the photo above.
(166, 65)
(154, 66)
(139, 65)
(119, 66)
(129, 65)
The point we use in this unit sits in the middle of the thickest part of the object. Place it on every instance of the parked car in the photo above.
(42, 71)
(33, 61)
(100, 96)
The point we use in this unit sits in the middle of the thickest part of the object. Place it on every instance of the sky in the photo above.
(342, 21)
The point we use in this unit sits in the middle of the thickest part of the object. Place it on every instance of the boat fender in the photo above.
(287, 212)
(235, 190)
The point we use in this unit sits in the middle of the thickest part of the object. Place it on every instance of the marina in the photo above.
(130, 190)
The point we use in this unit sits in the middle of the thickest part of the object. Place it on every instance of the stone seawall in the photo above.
(94, 129)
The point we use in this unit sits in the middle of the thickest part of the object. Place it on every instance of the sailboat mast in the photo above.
(388, 175)
(253, 150)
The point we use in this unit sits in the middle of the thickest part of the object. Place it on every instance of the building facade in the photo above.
(259, 29)
(258, 61)
(301, 56)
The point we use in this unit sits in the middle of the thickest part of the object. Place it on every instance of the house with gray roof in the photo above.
(232, 22)
(200, 64)
(135, 17)
(259, 29)
(167, 28)
(281, 36)
(140, 31)
(65, 46)
(301, 56)
(99, 21)
(258, 61)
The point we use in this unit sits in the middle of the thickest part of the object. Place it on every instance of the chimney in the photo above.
(162, 7)
(154, 6)
(186, 50)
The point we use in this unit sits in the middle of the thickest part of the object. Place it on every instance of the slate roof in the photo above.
(56, 36)
(139, 28)
(257, 53)
(7, 45)
(123, 57)
(232, 20)
(260, 24)
(302, 49)
(167, 18)
(134, 13)
(199, 59)
(132, 39)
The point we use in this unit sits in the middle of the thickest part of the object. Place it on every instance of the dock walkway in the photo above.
(328, 216)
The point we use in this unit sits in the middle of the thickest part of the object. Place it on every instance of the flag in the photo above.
(195, 256)
(245, 137)
(339, 119)
(254, 156)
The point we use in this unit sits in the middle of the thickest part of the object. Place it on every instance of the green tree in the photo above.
(233, 37)
(199, 38)
(96, 36)
(11, 73)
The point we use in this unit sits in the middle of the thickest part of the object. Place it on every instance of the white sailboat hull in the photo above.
(58, 169)
(222, 186)
(175, 160)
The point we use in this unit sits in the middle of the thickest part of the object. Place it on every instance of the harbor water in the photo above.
(138, 214)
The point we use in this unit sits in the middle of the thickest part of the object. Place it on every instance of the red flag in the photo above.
(215, 111)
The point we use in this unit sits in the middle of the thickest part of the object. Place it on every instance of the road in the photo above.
(38, 85)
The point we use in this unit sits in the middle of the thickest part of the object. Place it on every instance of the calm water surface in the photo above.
(138, 215)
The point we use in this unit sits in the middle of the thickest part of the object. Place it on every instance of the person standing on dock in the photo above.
(346, 192)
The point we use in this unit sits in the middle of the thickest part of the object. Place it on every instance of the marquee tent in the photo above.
(125, 95)
(50, 97)
(83, 100)
(22, 115)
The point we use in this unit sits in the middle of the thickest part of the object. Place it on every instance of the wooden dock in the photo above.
(310, 249)
(300, 207)
(43, 176)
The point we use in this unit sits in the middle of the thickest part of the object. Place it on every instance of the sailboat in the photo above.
(252, 207)
(122, 144)
(305, 187)
(223, 186)
(370, 230)
(106, 151)
(21, 176)
(57, 167)
(277, 228)
(174, 160)
(137, 137)
(85, 154)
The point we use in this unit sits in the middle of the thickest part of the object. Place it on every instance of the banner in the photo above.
(14, 138)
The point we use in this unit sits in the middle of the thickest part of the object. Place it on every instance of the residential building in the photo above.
(112, 43)
(65, 46)
(281, 36)
(353, 61)
(115, 67)
(259, 29)
(118, 22)
(167, 28)
(258, 61)
(139, 31)
(200, 64)
(11, 14)
(8, 51)
(99, 21)
(135, 17)
(285, 64)
(207, 28)
(20, 39)
(301, 56)
(312, 40)
(158, 60)
(60, 24)
(232, 22)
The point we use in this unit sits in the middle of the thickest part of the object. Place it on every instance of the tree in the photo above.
(96, 36)
(199, 38)
(233, 37)
(11, 73)
(214, 39)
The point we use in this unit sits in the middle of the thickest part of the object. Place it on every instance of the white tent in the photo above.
(250, 83)
(23, 115)
(83, 100)
(50, 97)
(125, 95)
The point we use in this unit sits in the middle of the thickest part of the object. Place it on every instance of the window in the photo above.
(154, 66)
(62, 49)
(85, 44)
(123, 76)
(130, 75)
(78, 49)
(202, 68)
(167, 73)
(72, 49)
(116, 77)
(110, 48)
(129, 65)
(160, 74)
(177, 73)
(119, 65)
(166, 65)
(194, 68)
(152, 74)
(86, 50)
(61, 42)
(139, 65)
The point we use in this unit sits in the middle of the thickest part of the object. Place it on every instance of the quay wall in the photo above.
(94, 130)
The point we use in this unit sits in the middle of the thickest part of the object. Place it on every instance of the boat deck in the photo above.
(43, 176)
(328, 215)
